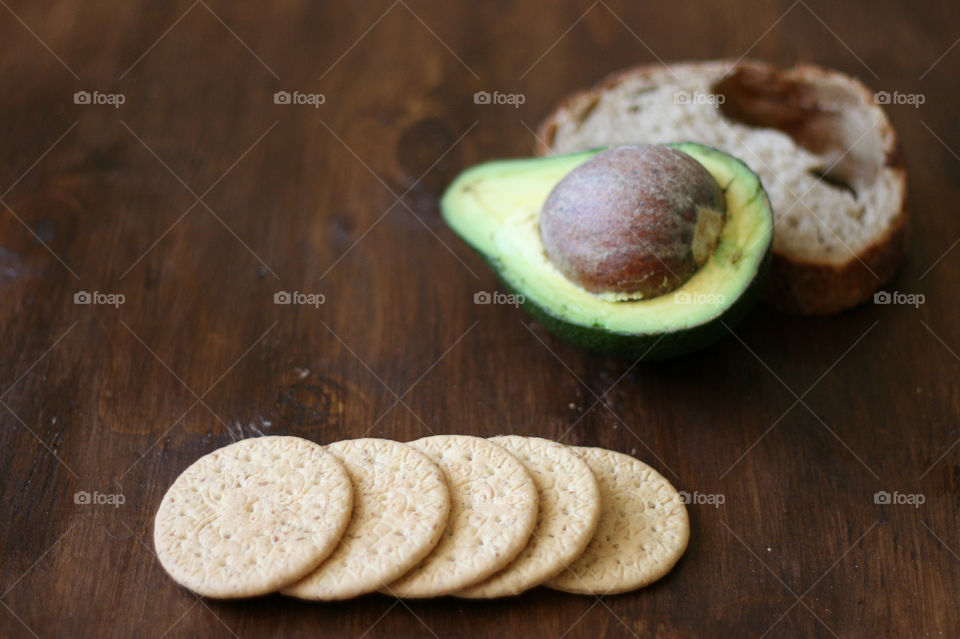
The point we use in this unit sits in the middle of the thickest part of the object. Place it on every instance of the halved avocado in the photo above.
(495, 207)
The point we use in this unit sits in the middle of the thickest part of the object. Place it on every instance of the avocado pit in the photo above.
(633, 222)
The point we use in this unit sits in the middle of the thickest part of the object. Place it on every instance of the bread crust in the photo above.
(796, 285)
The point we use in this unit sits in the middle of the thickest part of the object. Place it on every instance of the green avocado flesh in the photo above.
(495, 208)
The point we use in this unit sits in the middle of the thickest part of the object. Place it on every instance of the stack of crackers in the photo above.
(443, 515)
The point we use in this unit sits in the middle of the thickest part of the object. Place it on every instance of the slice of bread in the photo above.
(824, 150)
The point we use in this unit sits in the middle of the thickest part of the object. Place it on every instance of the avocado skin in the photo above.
(648, 347)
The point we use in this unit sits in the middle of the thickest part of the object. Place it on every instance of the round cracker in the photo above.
(252, 517)
(493, 509)
(569, 499)
(400, 509)
(643, 528)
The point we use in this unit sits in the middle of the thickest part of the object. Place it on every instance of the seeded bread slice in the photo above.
(825, 152)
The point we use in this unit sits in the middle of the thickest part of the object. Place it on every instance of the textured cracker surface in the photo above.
(400, 509)
(569, 512)
(493, 509)
(643, 528)
(253, 516)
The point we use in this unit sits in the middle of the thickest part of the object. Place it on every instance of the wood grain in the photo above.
(200, 198)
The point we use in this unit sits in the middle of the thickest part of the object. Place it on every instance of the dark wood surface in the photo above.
(199, 198)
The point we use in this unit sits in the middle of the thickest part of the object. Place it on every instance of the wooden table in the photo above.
(199, 198)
